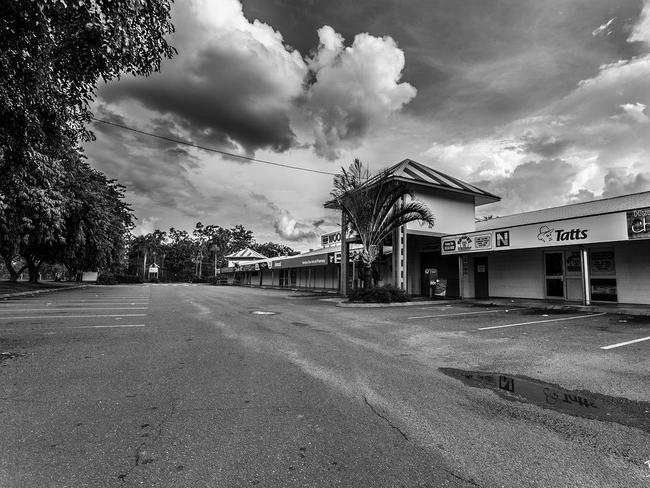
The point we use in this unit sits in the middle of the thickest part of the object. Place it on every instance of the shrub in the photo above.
(106, 279)
(379, 294)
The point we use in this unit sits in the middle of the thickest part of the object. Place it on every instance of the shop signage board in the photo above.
(305, 261)
(334, 238)
(638, 223)
(586, 230)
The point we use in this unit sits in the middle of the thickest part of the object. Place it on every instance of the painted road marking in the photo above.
(542, 321)
(69, 309)
(36, 329)
(620, 344)
(104, 326)
(73, 316)
(459, 313)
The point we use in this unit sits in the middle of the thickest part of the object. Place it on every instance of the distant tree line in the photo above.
(54, 208)
(184, 256)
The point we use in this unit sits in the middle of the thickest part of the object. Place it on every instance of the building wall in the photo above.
(454, 213)
(517, 274)
(633, 271)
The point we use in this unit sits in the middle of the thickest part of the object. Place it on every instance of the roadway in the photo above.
(179, 386)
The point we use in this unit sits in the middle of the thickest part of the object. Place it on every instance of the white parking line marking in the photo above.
(459, 313)
(626, 343)
(69, 309)
(37, 329)
(104, 326)
(73, 316)
(542, 321)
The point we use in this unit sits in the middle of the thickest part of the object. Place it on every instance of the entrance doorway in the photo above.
(481, 283)
(554, 274)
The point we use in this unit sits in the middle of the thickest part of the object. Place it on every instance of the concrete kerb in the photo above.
(619, 309)
(37, 292)
(347, 304)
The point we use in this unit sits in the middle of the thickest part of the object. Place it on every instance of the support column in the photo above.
(343, 280)
(461, 277)
(584, 258)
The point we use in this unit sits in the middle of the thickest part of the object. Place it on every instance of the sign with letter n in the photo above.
(502, 238)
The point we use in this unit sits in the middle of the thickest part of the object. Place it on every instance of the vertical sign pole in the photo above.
(343, 283)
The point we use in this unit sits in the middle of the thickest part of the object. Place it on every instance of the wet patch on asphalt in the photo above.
(299, 324)
(579, 403)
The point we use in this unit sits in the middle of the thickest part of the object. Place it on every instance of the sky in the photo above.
(541, 103)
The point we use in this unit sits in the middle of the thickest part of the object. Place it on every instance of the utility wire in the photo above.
(209, 149)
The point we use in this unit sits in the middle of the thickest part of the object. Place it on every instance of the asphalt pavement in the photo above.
(194, 385)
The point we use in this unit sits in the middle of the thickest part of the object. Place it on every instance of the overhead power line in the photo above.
(210, 149)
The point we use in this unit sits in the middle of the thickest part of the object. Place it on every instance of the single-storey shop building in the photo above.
(585, 252)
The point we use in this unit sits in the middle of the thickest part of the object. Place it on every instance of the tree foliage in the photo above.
(53, 206)
(375, 205)
(185, 256)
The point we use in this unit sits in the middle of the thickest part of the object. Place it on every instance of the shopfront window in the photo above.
(602, 268)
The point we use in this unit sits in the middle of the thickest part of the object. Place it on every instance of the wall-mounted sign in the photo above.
(638, 224)
(333, 238)
(502, 238)
(586, 230)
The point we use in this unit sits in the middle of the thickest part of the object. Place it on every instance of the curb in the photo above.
(37, 292)
(346, 304)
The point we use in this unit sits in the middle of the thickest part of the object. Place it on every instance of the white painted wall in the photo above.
(517, 274)
(633, 271)
(454, 213)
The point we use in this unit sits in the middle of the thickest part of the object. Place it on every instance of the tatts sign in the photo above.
(585, 230)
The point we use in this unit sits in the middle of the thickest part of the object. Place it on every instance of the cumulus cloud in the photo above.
(619, 181)
(641, 31)
(353, 88)
(636, 112)
(290, 229)
(236, 84)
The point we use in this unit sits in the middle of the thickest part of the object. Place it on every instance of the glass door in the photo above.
(554, 274)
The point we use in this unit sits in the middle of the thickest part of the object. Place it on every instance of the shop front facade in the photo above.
(591, 252)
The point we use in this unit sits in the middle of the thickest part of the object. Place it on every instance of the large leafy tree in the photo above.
(53, 54)
(272, 249)
(375, 205)
(81, 221)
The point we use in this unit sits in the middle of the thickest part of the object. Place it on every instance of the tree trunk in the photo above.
(367, 277)
(32, 269)
(13, 274)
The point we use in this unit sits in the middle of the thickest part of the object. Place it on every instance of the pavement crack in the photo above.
(141, 456)
(386, 419)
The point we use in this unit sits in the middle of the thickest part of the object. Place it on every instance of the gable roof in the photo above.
(575, 210)
(414, 173)
(411, 171)
(247, 253)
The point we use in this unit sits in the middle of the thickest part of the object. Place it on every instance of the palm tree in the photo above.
(375, 206)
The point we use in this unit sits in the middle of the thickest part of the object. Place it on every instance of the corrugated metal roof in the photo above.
(246, 254)
(410, 170)
(575, 210)
(413, 172)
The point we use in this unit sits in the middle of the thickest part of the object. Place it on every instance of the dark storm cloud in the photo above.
(546, 146)
(220, 99)
(150, 168)
(475, 64)
(530, 186)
